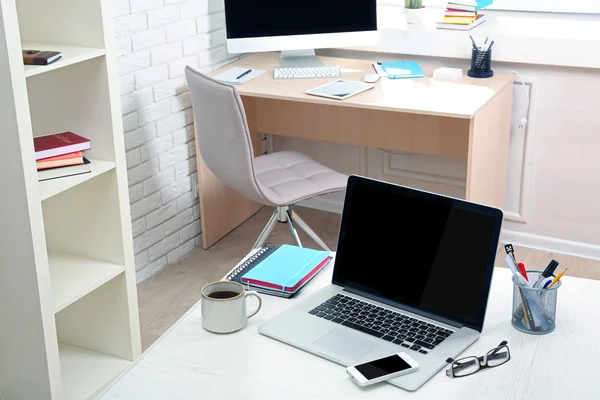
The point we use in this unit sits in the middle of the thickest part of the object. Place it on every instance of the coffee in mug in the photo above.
(223, 306)
(225, 294)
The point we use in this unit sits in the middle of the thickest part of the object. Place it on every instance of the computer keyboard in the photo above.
(388, 325)
(313, 72)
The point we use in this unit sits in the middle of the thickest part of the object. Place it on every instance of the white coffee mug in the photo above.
(224, 306)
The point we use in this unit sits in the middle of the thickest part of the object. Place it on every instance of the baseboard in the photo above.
(323, 204)
(547, 243)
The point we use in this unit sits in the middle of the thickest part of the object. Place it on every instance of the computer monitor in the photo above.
(298, 27)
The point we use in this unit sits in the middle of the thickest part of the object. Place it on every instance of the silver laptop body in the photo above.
(353, 335)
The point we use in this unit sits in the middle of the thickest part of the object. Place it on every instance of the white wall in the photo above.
(553, 198)
(155, 40)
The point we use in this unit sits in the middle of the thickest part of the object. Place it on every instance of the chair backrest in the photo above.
(222, 133)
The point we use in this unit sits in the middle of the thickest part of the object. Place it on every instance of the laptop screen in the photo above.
(431, 253)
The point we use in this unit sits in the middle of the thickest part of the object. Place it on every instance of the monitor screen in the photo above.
(263, 18)
(428, 252)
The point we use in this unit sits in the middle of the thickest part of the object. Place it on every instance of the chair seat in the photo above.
(287, 177)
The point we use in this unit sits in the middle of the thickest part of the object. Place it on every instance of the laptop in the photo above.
(412, 273)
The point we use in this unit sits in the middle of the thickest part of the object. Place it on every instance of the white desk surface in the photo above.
(460, 99)
(190, 363)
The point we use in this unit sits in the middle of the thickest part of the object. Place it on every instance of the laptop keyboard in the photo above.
(394, 327)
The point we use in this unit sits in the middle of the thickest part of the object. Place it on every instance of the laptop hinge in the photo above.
(405, 307)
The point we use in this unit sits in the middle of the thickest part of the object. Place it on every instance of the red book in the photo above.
(62, 157)
(60, 161)
(58, 144)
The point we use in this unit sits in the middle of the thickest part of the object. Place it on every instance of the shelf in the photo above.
(85, 372)
(73, 277)
(70, 55)
(55, 186)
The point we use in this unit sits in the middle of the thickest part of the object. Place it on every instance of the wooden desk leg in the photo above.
(221, 208)
(488, 151)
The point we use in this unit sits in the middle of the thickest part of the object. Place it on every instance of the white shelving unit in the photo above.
(56, 186)
(70, 55)
(68, 303)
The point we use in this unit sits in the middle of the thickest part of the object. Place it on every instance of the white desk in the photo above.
(191, 363)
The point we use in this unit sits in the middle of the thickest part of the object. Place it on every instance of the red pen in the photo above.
(523, 271)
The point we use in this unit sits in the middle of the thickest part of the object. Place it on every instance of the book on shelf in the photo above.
(463, 14)
(461, 27)
(63, 172)
(59, 144)
(468, 5)
(60, 161)
(37, 57)
(459, 20)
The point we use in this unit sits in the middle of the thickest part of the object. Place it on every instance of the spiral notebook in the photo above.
(236, 274)
(280, 270)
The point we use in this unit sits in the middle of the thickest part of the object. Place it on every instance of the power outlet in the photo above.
(195, 188)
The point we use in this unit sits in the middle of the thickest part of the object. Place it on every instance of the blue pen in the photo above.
(244, 74)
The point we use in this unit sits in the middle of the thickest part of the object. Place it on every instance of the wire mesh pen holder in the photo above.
(534, 309)
(481, 64)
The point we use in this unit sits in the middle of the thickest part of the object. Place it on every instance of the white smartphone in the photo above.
(382, 369)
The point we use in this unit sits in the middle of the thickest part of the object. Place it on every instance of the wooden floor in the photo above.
(166, 296)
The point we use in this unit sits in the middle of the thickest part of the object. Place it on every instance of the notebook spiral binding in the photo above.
(260, 255)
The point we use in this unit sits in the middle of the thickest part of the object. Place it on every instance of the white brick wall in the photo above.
(155, 40)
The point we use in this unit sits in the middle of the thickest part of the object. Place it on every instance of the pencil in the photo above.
(557, 278)
(525, 313)
(473, 41)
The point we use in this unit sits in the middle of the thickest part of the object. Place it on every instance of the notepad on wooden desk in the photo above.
(402, 69)
(238, 75)
(287, 269)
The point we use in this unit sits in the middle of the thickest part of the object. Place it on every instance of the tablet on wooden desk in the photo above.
(340, 89)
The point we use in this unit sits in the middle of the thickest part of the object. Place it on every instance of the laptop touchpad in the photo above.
(346, 344)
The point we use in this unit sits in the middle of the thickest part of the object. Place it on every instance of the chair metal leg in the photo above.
(307, 229)
(267, 231)
(292, 228)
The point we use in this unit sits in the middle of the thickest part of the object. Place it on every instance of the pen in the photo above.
(523, 270)
(546, 276)
(510, 251)
(557, 278)
(515, 270)
(490, 46)
(244, 74)
(549, 271)
(473, 41)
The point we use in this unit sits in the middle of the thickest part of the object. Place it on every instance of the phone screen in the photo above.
(383, 366)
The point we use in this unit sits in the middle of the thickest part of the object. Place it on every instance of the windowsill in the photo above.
(520, 37)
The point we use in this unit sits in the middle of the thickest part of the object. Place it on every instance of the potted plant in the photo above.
(414, 11)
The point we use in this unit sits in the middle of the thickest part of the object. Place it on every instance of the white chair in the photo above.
(280, 179)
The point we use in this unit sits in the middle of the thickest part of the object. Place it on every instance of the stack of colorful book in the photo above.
(60, 155)
(463, 15)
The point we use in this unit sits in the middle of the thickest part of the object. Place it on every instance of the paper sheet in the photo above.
(231, 75)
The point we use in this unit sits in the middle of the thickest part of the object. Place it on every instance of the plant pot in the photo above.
(415, 15)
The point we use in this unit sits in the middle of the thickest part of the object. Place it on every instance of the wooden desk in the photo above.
(188, 362)
(467, 120)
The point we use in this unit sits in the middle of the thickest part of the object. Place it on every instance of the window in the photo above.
(580, 6)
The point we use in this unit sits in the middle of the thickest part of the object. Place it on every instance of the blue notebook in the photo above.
(402, 69)
(478, 4)
(287, 269)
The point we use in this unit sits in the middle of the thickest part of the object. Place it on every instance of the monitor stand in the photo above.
(300, 59)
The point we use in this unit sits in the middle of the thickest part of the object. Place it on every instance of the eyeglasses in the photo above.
(469, 365)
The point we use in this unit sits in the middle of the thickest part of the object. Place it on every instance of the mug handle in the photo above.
(254, 294)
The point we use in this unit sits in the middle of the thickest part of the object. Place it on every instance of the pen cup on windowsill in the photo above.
(534, 309)
(481, 64)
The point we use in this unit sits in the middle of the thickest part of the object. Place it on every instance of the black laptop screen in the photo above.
(431, 253)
